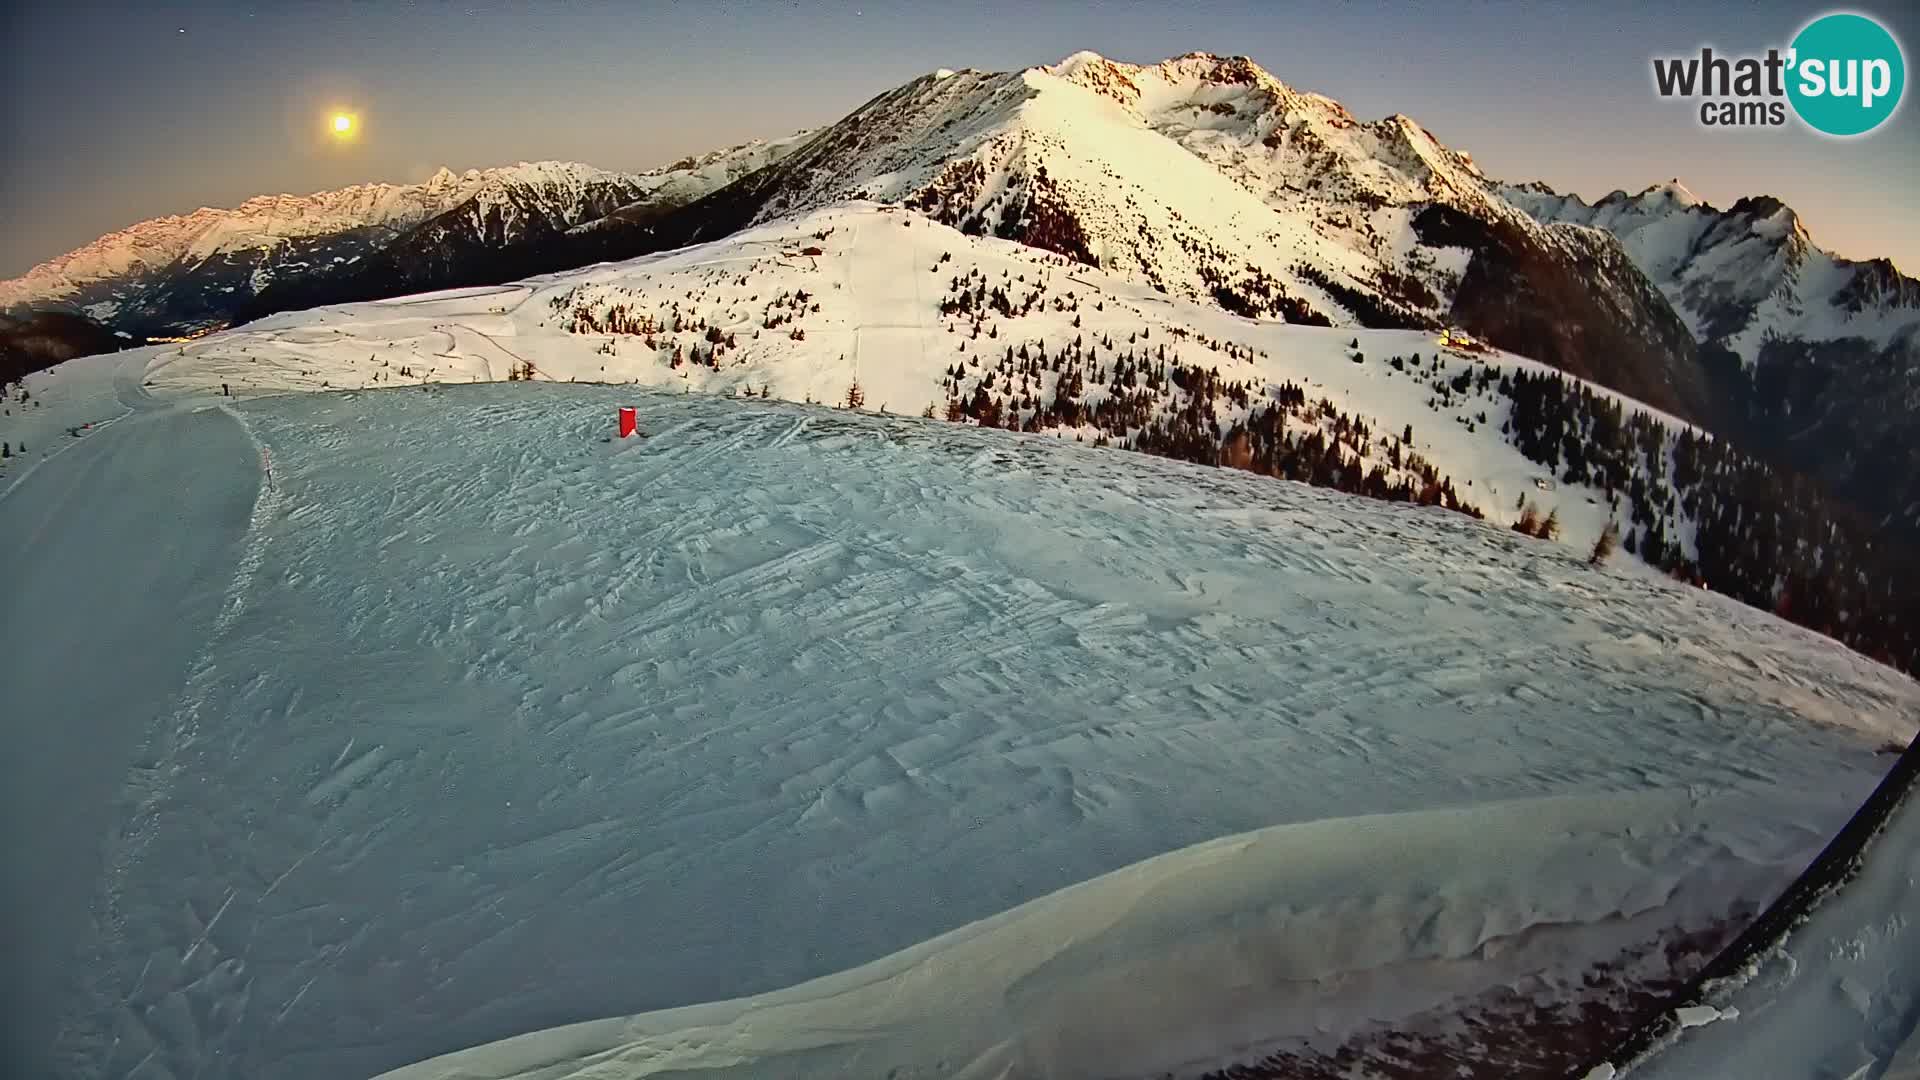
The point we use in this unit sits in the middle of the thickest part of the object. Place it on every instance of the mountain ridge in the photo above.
(1742, 274)
(1190, 99)
(181, 274)
(1283, 204)
(357, 205)
(1209, 178)
(1815, 358)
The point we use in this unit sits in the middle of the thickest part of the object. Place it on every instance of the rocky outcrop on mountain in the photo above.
(1573, 299)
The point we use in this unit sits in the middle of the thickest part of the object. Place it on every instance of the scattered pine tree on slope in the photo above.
(1143, 400)
(1603, 547)
(1688, 504)
(1760, 534)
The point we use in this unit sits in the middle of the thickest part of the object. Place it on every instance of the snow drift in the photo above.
(1827, 981)
(1214, 953)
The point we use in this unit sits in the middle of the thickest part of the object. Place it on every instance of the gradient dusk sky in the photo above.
(111, 114)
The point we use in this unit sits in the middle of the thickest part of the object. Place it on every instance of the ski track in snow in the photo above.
(114, 552)
(517, 726)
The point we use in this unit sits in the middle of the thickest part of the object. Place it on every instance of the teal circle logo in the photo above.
(1846, 74)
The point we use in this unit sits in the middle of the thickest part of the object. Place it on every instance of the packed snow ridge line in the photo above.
(1174, 964)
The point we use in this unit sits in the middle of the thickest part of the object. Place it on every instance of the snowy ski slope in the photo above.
(878, 283)
(505, 725)
(108, 592)
(789, 740)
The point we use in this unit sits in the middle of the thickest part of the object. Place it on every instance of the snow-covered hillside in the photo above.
(1207, 178)
(756, 314)
(503, 724)
(918, 318)
(1287, 944)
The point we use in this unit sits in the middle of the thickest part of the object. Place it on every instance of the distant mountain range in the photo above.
(1204, 177)
(1814, 359)
(181, 275)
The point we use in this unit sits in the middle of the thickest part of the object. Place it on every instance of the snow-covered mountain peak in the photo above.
(1279, 143)
(1094, 72)
(1198, 81)
(1193, 67)
(536, 174)
(1674, 193)
(1276, 140)
(1669, 197)
(1072, 66)
(1744, 275)
(1283, 205)
(1771, 218)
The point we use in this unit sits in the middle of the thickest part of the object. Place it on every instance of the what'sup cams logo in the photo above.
(1843, 75)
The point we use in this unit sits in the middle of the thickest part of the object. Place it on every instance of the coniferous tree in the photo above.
(1603, 547)
(1529, 523)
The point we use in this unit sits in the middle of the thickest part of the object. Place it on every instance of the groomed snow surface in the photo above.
(110, 586)
(792, 741)
(503, 725)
